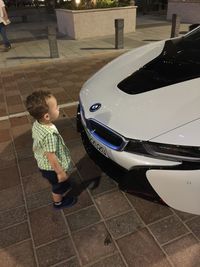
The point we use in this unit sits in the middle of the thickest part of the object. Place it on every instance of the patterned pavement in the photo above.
(108, 227)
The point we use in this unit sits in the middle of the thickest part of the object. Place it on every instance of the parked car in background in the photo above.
(142, 111)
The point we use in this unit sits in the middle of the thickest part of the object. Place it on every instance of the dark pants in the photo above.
(3, 35)
(57, 188)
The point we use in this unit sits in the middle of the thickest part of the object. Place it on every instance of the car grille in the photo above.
(105, 135)
(102, 133)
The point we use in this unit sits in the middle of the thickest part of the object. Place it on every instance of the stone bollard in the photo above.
(119, 33)
(53, 47)
(175, 25)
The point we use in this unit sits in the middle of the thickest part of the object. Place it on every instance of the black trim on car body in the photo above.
(178, 62)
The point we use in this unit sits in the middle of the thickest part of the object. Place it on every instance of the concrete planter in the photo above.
(188, 10)
(79, 24)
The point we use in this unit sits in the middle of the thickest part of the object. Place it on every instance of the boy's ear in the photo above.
(46, 116)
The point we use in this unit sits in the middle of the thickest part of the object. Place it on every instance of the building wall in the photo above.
(188, 10)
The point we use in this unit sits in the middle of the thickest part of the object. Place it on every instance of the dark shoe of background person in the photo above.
(7, 48)
(67, 202)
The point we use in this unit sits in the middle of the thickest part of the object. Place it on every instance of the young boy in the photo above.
(49, 149)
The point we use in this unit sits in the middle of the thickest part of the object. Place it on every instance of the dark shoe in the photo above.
(7, 48)
(67, 202)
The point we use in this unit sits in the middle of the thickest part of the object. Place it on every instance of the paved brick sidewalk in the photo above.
(107, 227)
(30, 43)
(64, 78)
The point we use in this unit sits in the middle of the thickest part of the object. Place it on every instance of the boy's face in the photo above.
(53, 108)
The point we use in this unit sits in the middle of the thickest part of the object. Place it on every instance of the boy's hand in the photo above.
(62, 176)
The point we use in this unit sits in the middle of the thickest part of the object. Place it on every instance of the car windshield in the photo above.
(178, 62)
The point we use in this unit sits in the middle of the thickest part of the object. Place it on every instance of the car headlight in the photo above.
(166, 151)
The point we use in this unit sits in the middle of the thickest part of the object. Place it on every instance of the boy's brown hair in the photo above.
(36, 103)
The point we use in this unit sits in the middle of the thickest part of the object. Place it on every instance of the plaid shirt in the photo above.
(48, 139)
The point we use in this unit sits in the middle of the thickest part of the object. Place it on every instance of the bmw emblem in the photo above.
(95, 107)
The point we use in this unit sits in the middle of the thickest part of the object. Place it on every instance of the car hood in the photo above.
(144, 116)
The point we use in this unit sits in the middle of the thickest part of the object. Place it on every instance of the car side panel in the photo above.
(179, 189)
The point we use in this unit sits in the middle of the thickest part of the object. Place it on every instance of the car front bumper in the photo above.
(125, 159)
(178, 186)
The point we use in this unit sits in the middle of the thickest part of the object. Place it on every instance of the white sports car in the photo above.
(142, 110)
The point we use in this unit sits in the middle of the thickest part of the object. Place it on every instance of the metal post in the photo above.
(53, 47)
(175, 25)
(119, 33)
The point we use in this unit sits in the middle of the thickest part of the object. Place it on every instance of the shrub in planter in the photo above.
(90, 4)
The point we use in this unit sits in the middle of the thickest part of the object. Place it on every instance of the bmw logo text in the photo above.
(95, 107)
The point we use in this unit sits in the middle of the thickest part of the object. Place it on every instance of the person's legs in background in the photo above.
(4, 37)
